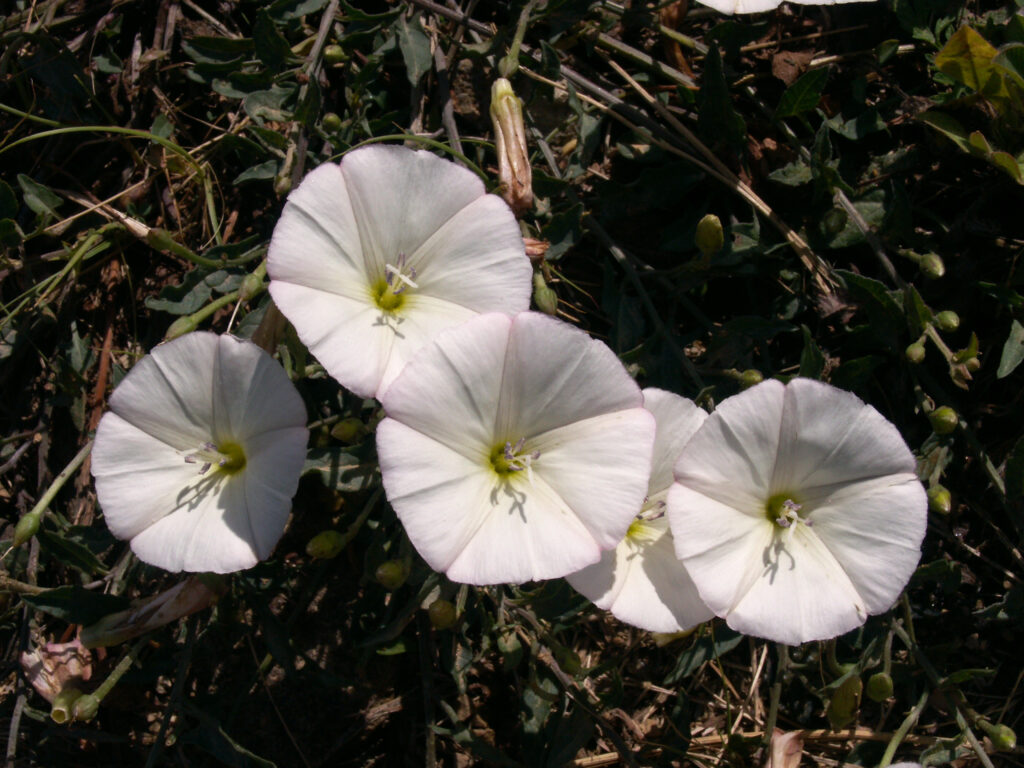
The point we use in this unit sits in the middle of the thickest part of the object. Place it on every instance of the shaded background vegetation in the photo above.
(865, 163)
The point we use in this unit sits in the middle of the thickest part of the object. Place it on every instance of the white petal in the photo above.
(678, 420)
(167, 393)
(212, 532)
(732, 455)
(874, 529)
(543, 391)
(450, 392)
(316, 241)
(477, 260)
(599, 467)
(274, 463)
(829, 436)
(742, 6)
(644, 585)
(801, 594)
(401, 197)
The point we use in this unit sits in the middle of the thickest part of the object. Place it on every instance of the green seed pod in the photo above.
(335, 54)
(915, 353)
(932, 266)
(26, 528)
(442, 614)
(944, 420)
(1003, 737)
(710, 236)
(391, 574)
(842, 707)
(180, 327)
(252, 285)
(544, 295)
(331, 122)
(325, 545)
(834, 222)
(750, 377)
(85, 708)
(939, 500)
(348, 430)
(879, 687)
(947, 320)
(63, 703)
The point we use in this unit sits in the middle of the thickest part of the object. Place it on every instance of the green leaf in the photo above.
(872, 207)
(269, 104)
(223, 51)
(948, 126)
(967, 59)
(918, 313)
(294, 9)
(340, 469)
(714, 643)
(717, 119)
(812, 361)
(194, 291)
(211, 738)
(10, 233)
(76, 605)
(415, 47)
(260, 172)
(856, 128)
(271, 47)
(1010, 59)
(1013, 351)
(8, 202)
(803, 95)
(40, 199)
(792, 174)
(70, 553)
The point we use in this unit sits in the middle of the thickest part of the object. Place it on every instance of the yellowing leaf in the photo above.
(967, 58)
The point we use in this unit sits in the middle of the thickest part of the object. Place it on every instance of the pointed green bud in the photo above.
(834, 222)
(710, 237)
(252, 286)
(26, 528)
(335, 54)
(915, 353)
(947, 320)
(282, 184)
(845, 701)
(63, 702)
(544, 295)
(442, 614)
(325, 545)
(180, 327)
(391, 574)
(331, 122)
(348, 430)
(939, 500)
(932, 266)
(1003, 737)
(85, 708)
(879, 687)
(972, 364)
(944, 420)
(750, 377)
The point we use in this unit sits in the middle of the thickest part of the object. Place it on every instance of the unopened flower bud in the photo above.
(391, 574)
(331, 122)
(1002, 736)
(939, 499)
(325, 545)
(947, 320)
(442, 614)
(85, 708)
(514, 171)
(834, 222)
(348, 430)
(845, 701)
(180, 327)
(61, 709)
(915, 353)
(252, 285)
(335, 54)
(750, 377)
(282, 184)
(932, 266)
(879, 687)
(944, 420)
(544, 295)
(709, 237)
(26, 528)
(972, 364)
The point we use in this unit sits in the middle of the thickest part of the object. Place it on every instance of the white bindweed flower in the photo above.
(797, 512)
(514, 449)
(757, 6)
(200, 453)
(641, 581)
(374, 257)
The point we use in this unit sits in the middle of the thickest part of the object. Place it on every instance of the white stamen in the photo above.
(518, 462)
(399, 273)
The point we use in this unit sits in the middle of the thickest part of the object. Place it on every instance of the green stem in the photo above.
(58, 482)
(118, 672)
(903, 730)
(775, 695)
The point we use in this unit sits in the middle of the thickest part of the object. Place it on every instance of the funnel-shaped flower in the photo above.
(198, 458)
(374, 257)
(797, 512)
(641, 581)
(514, 449)
(757, 6)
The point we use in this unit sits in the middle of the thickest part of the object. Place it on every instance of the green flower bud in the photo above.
(750, 377)
(834, 222)
(325, 545)
(544, 295)
(180, 327)
(348, 430)
(1002, 736)
(335, 54)
(972, 364)
(391, 574)
(939, 500)
(931, 266)
(282, 184)
(845, 701)
(944, 420)
(85, 708)
(568, 660)
(26, 528)
(879, 687)
(331, 122)
(915, 353)
(63, 702)
(709, 237)
(947, 320)
(252, 285)
(442, 614)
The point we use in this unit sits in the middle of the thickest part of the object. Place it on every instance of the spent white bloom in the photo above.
(200, 453)
(374, 257)
(641, 581)
(797, 512)
(514, 449)
(757, 6)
